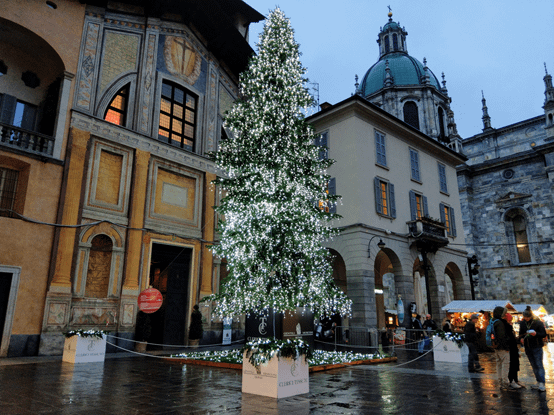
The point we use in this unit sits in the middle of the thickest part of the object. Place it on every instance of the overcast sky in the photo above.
(499, 47)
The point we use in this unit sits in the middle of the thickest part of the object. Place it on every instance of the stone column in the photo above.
(63, 104)
(361, 290)
(136, 221)
(206, 287)
(61, 281)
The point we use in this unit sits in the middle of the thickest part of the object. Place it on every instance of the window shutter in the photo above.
(413, 205)
(425, 206)
(29, 116)
(380, 148)
(443, 217)
(442, 179)
(8, 109)
(378, 201)
(392, 203)
(332, 187)
(452, 222)
(414, 161)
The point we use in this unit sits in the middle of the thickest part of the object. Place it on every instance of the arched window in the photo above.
(387, 46)
(411, 115)
(99, 267)
(117, 110)
(520, 233)
(395, 41)
(442, 133)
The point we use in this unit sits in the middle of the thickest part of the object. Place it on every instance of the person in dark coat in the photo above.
(514, 354)
(418, 333)
(502, 351)
(470, 337)
(195, 330)
(532, 333)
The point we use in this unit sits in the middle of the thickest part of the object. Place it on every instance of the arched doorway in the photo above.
(339, 270)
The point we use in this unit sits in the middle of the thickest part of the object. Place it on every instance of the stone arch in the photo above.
(387, 271)
(425, 290)
(84, 257)
(453, 283)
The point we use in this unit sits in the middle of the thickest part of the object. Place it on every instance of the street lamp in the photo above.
(380, 244)
(473, 267)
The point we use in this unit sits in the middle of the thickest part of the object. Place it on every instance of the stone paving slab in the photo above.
(144, 385)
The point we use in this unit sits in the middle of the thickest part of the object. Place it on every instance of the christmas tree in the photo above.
(274, 209)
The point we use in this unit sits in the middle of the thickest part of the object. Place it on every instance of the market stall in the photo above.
(459, 312)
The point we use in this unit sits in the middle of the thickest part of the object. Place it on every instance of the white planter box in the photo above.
(448, 351)
(279, 378)
(79, 349)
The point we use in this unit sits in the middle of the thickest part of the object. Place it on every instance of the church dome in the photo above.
(404, 70)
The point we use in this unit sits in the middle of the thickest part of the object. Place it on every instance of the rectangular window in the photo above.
(326, 204)
(8, 188)
(418, 206)
(414, 163)
(442, 178)
(384, 198)
(177, 116)
(321, 141)
(447, 217)
(380, 149)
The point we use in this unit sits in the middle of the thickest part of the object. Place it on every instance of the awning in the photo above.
(536, 308)
(474, 306)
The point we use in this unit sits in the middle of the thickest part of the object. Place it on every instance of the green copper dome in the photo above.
(404, 70)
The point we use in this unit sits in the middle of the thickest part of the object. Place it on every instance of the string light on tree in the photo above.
(273, 230)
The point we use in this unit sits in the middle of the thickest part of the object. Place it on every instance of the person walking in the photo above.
(502, 351)
(531, 334)
(418, 333)
(195, 329)
(470, 337)
(513, 382)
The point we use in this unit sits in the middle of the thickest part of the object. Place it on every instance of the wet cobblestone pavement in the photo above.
(149, 385)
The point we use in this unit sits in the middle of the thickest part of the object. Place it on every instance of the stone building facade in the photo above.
(506, 190)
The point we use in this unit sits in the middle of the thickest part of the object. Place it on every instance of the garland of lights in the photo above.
(85, 333)
(273, 229)
(453, 337)
(260, 351)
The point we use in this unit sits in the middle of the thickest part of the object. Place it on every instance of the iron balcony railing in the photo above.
(26, 140)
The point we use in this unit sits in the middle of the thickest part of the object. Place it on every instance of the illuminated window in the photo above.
(117, 110)
(326, 205)
(447, 217)
(418, 206)
(177, 116)
(8, 189)
(384, 198)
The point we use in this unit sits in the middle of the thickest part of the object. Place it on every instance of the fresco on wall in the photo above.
(178, 57)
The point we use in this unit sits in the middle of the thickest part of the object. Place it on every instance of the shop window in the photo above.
(8, 191)
(177, 116)
(117, 110)
(411, 114)
(384, 198)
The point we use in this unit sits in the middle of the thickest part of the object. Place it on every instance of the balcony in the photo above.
(429, 234)
(28, 141)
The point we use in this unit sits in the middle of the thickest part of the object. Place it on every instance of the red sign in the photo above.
(150, 300)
